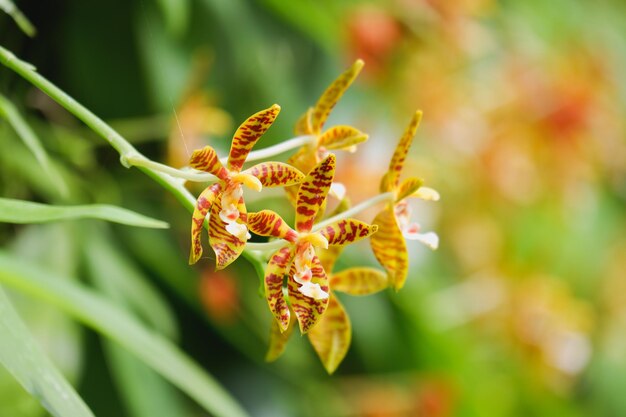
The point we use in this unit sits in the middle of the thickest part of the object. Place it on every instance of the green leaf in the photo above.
(22, 21)
(23, 358)
(19, 211)
(111, 321)
(176, 14)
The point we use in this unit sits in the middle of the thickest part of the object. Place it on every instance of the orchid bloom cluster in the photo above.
(299, 281)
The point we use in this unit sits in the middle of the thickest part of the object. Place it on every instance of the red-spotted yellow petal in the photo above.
(307, 309)
(203, 205)
(407, 188)
(359, 281)
(303, 125)
(278, 340)
(206, 160)
(341, 137)
(227, 247)
(332, 335)
(331, 96)
(312, 193)
(329, 256)
(389, 247)
(304, 160)
(277, 268)
(274, 174)
(248, 134)
(392, 178)
(347, 231)
(269, 223)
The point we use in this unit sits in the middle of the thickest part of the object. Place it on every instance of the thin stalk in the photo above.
(277, 149)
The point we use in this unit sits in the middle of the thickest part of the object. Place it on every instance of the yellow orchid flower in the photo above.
(307, 285)
(223, 200)
(394, 225)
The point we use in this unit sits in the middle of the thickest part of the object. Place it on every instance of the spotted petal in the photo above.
(347, 231)
(303, 125)
(206, 160)
(274, 174)
(359, 281)
(278, 340)
(202, 208)
(277, 268)
(269, 223)
(392, 178)
(341, 137)
(408, 187)
(312, 193)
(332, 335)
(308, 310)
(248, 134)
(227, 247)
(389, 247)
(331, 96)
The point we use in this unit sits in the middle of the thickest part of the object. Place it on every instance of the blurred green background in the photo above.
(521, 311)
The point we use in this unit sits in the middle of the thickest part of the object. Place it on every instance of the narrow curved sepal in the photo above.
(331, 96)
(331, 337)
(248, 134)
(407, 188)
(347, 231)
(200, 211)
(389, 247)
(312, 193)
(359, 281)
(341, 137)
(206, 160)
(329, 256)
(277, 267)
(269, 223)
(275, 174)
(303, 125)
(278, 340)
(308, 310)
(227, 247)
(392, 178)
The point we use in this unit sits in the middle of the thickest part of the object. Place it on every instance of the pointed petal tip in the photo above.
(358, 64)
(276, 107)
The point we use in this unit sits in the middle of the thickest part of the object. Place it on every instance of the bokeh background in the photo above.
(521, 311)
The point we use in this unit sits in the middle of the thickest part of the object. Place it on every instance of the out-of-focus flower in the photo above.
(394, 222)
(219, 296)
(228, 232)
(307, 285)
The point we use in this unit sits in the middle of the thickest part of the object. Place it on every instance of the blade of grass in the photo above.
(23, 358)
(111, 321)
(32, 142)
(22, 21)
(22, 212)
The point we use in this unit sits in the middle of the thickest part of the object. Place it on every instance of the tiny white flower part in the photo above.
(427, 193)
(338, 190)
(314, 291)
(239, 230)
(410, 230)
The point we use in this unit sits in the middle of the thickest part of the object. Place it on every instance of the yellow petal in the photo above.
(426, 193)
(341, 137)
(274, 174)
(331, 96)
(278, 340)
(269, 223)
(389, 247)
(332, 335)
(303, 125)
(359, 281)
(308, 310)
(312, 193)
(392, 177)
(227, 247)
(202, 208)
(277, 268)
(249, 181)
(206, 160)
(408, 187)
(248, 134)
(347, 231)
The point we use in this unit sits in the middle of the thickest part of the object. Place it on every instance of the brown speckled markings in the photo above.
(248, 134)
(397, 160)
(347, 231)
(203, 205)
(274, 174)
(308, 310)
(279, 264)
(389, 247)
(407, 187)
(206, 160)
(269, 223)
(227, 247)
(312, 193)
(332, 335)
(341, 137)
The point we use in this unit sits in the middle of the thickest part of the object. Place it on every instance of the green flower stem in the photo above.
(279, 243)
(279, 148)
